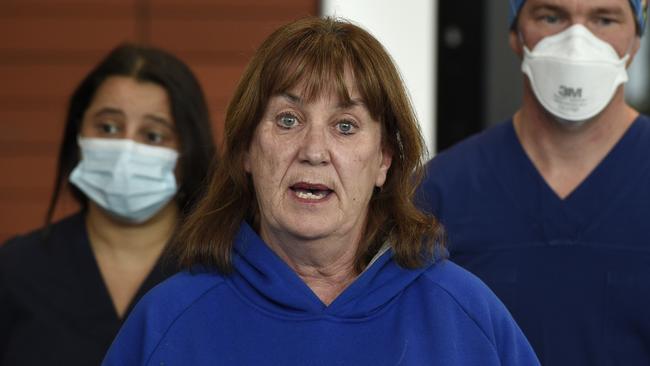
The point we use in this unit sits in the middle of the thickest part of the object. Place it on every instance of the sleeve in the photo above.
(512, 346)
(490, 315)
(499, 326)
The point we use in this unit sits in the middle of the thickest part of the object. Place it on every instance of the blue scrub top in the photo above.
(574, 272)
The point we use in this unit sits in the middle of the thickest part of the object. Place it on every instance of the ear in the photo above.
(386, 161)
(515, 44)
(635, 48)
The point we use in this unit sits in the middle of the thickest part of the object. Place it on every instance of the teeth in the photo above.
(311, 196)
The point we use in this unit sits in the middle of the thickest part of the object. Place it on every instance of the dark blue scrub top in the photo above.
(55, 308)
(574, 272)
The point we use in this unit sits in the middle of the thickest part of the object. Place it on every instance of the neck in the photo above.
(110, 235)
(326, 265)
(563, 154)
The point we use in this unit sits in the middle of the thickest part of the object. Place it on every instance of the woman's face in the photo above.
(125, 108)
(315, 164)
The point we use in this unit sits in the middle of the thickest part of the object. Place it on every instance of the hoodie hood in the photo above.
(266, 281)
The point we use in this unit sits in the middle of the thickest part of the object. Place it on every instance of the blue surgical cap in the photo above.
(640, 8)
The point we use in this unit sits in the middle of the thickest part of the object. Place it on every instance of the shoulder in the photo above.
(451, 174)
(191, 284)
(39, 243)
(485, 310)
(177, 294)
(643, 123)
(472, 148)
(464, 287)
(157, 312)
(468, 161)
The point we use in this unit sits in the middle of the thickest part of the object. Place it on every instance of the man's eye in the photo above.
(287, 120)
(346, 127)
(551, 19)
(605, 21)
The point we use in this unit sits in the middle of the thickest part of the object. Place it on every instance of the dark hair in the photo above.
(316, 51)
(188, 107)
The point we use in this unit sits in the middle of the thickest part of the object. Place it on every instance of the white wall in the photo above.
(408, 31)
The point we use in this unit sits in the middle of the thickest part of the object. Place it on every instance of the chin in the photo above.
(307, 232)
(571, 124)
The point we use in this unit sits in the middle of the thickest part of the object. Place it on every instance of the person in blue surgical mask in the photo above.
(136, 148)
(549, 207)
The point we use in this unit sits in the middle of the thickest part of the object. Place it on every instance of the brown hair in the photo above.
(317, 51)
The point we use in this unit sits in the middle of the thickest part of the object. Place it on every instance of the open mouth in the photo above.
(311, 192)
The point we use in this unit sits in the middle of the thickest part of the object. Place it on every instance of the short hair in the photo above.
(188, 107)
(317, 52)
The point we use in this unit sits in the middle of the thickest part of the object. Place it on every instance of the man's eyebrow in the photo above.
(609, 10)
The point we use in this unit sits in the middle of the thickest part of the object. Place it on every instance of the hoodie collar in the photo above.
(266, 281)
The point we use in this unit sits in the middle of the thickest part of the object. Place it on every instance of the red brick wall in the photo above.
(47, 46)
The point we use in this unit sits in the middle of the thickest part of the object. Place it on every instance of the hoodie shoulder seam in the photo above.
(181, 313)
(467, 313)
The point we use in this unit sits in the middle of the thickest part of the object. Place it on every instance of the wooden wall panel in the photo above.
(32, 125)
(55, 35)
(46, 47)
(21, 82)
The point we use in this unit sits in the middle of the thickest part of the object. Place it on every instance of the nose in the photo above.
(314, 146)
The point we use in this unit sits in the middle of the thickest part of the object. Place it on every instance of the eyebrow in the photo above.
(610, 10)
(160, 120)
(108, 110)
(614, 9)
(294, 99)
(157, 119)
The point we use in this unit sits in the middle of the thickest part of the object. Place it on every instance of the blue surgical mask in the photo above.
(129, 180)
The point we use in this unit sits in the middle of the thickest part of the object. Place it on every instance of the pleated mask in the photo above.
(130, 180)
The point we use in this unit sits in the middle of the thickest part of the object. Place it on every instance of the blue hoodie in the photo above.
(264, 314)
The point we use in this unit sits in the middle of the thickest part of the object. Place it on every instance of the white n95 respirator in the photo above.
(574, 74)
(131, 181)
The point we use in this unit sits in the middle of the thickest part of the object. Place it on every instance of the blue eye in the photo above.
(551, 19)
(287, 120)
(346, 127)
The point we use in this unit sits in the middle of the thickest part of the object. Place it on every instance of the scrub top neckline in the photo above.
(565, 220)
(94, 282)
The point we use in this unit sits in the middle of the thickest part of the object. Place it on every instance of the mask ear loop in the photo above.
(523, 43)
(628, 52)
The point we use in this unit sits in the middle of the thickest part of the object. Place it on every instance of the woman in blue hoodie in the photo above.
(307, 249)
